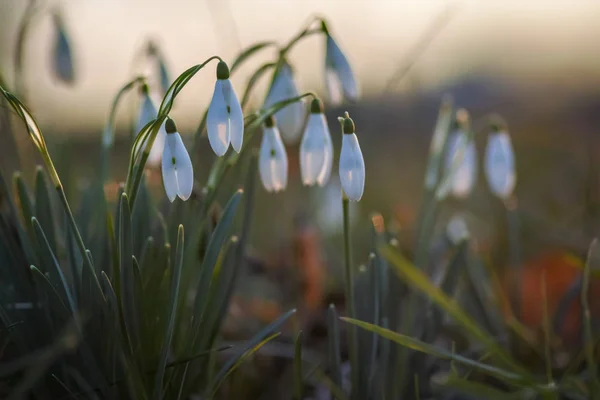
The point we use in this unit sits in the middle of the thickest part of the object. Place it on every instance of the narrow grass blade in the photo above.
(51, 265)
(419, 281)
(239, 361)
(215, 244)
(415, 344)
(334, 350)
(257, 340)
(175, 281)
(298, 378)
(43, 208)
(453, 384)
(127, 291)
(587, 324)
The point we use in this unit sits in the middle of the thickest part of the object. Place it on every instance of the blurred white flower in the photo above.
(352, 164)
(329, 209)
(225, 121)
(499, 164)
(272, 162)
(316, 150)
(62, 57)
(290, 118)
(339, 78)
(147, 113)
(177, 170)
(461, 160)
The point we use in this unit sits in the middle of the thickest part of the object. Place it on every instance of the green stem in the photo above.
(78, 239)
(351, 310)
(20, 47)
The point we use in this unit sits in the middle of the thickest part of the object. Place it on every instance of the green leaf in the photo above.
(43, 208)
(298, 378)
(27, 209)
(334, 349)
(251, 346)
(415, 344)
(239, 361)
(419, 281)
(127, 290)
(51, 265)
(452, 384)
(175, 281)
(210, 258)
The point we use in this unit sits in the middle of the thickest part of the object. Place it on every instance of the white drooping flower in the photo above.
(316, 150)
(339, 78)
(461, 161)
(499, 164)
(148, 113)
(272, 162)
(62, 57)
(225, 121)
(352, 164)
(177, 170)
(290, 119)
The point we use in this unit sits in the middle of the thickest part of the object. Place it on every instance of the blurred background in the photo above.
(535, 63)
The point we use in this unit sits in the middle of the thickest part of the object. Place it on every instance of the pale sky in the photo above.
(533, 41)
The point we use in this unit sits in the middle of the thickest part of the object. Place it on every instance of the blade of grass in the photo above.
(418, 280)
(175, 281)
(43, 208)
(298, 378)
(238, 361)
(587, 325)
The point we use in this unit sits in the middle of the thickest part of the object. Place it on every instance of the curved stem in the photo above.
(20, 47)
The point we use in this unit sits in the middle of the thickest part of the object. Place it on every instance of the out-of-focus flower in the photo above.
(316, 150)
(177, 170)
(290, 118)
(339, 78)
(62, 57)
(461, 161)
(499, 164)
(352, 164)
(225, 121)
(273, 162)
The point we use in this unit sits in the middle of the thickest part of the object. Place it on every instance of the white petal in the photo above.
(328, 162)
(461, 156)
(313, 150)
(500, 164)
(336, 59)
(290, 119)
(333, 86)
(218, 123)
(352, 167)
(168, 172)
(183, 168)
(236, 116)
(273, 163)
(157, 148)
(147, 113)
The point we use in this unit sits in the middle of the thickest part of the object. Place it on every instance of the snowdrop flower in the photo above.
(316, 150)
(352, 164)
(500, 164)
(225, 121)
(273, 162)
(177, 171)
(290, 118)
(62, 56)
(339, 78)
(461, 161)
(147, 113)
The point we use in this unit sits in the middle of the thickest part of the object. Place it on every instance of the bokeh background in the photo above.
(535, 63)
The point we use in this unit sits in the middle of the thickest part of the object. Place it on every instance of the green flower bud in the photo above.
(316, 106)
(348, 125)
(222, 70)
(170, 126)
(270, 121)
